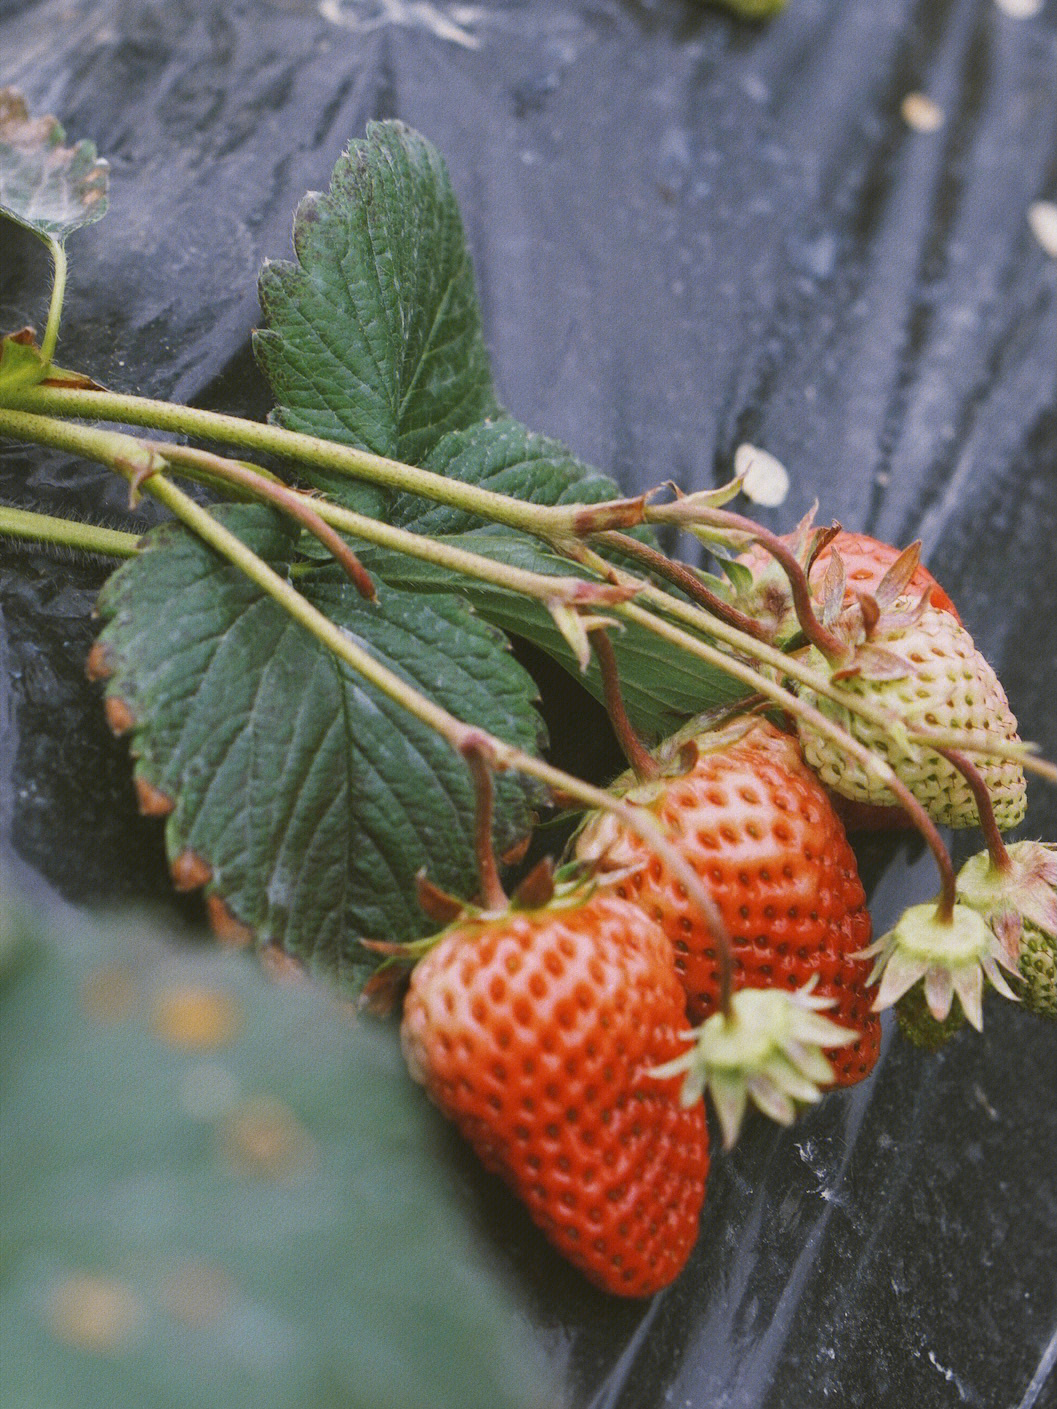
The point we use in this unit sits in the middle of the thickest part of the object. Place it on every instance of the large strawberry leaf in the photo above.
(311, 798)
(51, 189)
(220, 1192)
(374, 338)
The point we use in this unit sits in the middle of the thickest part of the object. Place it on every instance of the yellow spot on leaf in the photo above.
(263, 1138)
(197, 1018)
(93, 1313)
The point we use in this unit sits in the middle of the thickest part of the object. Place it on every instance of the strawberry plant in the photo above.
(311, 664)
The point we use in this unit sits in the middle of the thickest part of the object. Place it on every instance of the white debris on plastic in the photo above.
(765, 479)
(1020, 9)
(922, 113)
(1042, 217)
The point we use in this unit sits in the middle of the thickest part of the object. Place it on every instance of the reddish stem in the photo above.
(492, 892)
(635, 751)
(289, 500)
(992, 836)
(686, 579)
(830, 645)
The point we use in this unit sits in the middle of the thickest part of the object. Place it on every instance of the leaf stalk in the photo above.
(67, 533)
(58, 295)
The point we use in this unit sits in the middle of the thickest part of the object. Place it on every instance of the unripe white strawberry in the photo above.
(920, 665)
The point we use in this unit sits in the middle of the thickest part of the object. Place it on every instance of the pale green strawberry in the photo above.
(920, 665)
(918, 1025)
(1018, 899)
(1038, 969)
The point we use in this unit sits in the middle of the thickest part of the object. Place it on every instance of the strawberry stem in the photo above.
(288, 500)
(67, 533)
(58, 293)
(682, 512)
(474, 749)
(555, 525)
(635, 751)
(684, 578)
(996, 847)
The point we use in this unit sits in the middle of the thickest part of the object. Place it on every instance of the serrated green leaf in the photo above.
(373, 337)
(51, 189)
(312, 797)
(662, 684)
(218, 1191)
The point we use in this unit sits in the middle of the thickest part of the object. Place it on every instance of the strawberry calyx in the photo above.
(949, 955)
(544, 888)
(1021, 892)
(677, 755)
(760, 585)
(768, 1050)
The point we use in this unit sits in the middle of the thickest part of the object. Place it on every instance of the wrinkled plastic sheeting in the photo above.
(688, 233)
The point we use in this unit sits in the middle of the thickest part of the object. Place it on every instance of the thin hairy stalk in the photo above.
(67, 533)
(635, 751)
(996, 847)
(552, 591)
(492, 893)
(684, 578)
(550, 523)
(297, 506)
(58, 294)
(684, 513)
(94, 443)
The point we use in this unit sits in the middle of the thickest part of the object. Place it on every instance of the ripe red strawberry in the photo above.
(865, 559)
(536, 1031)
(757, 827)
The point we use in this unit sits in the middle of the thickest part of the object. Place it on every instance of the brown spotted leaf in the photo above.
(220, 1191)
(303, 798)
